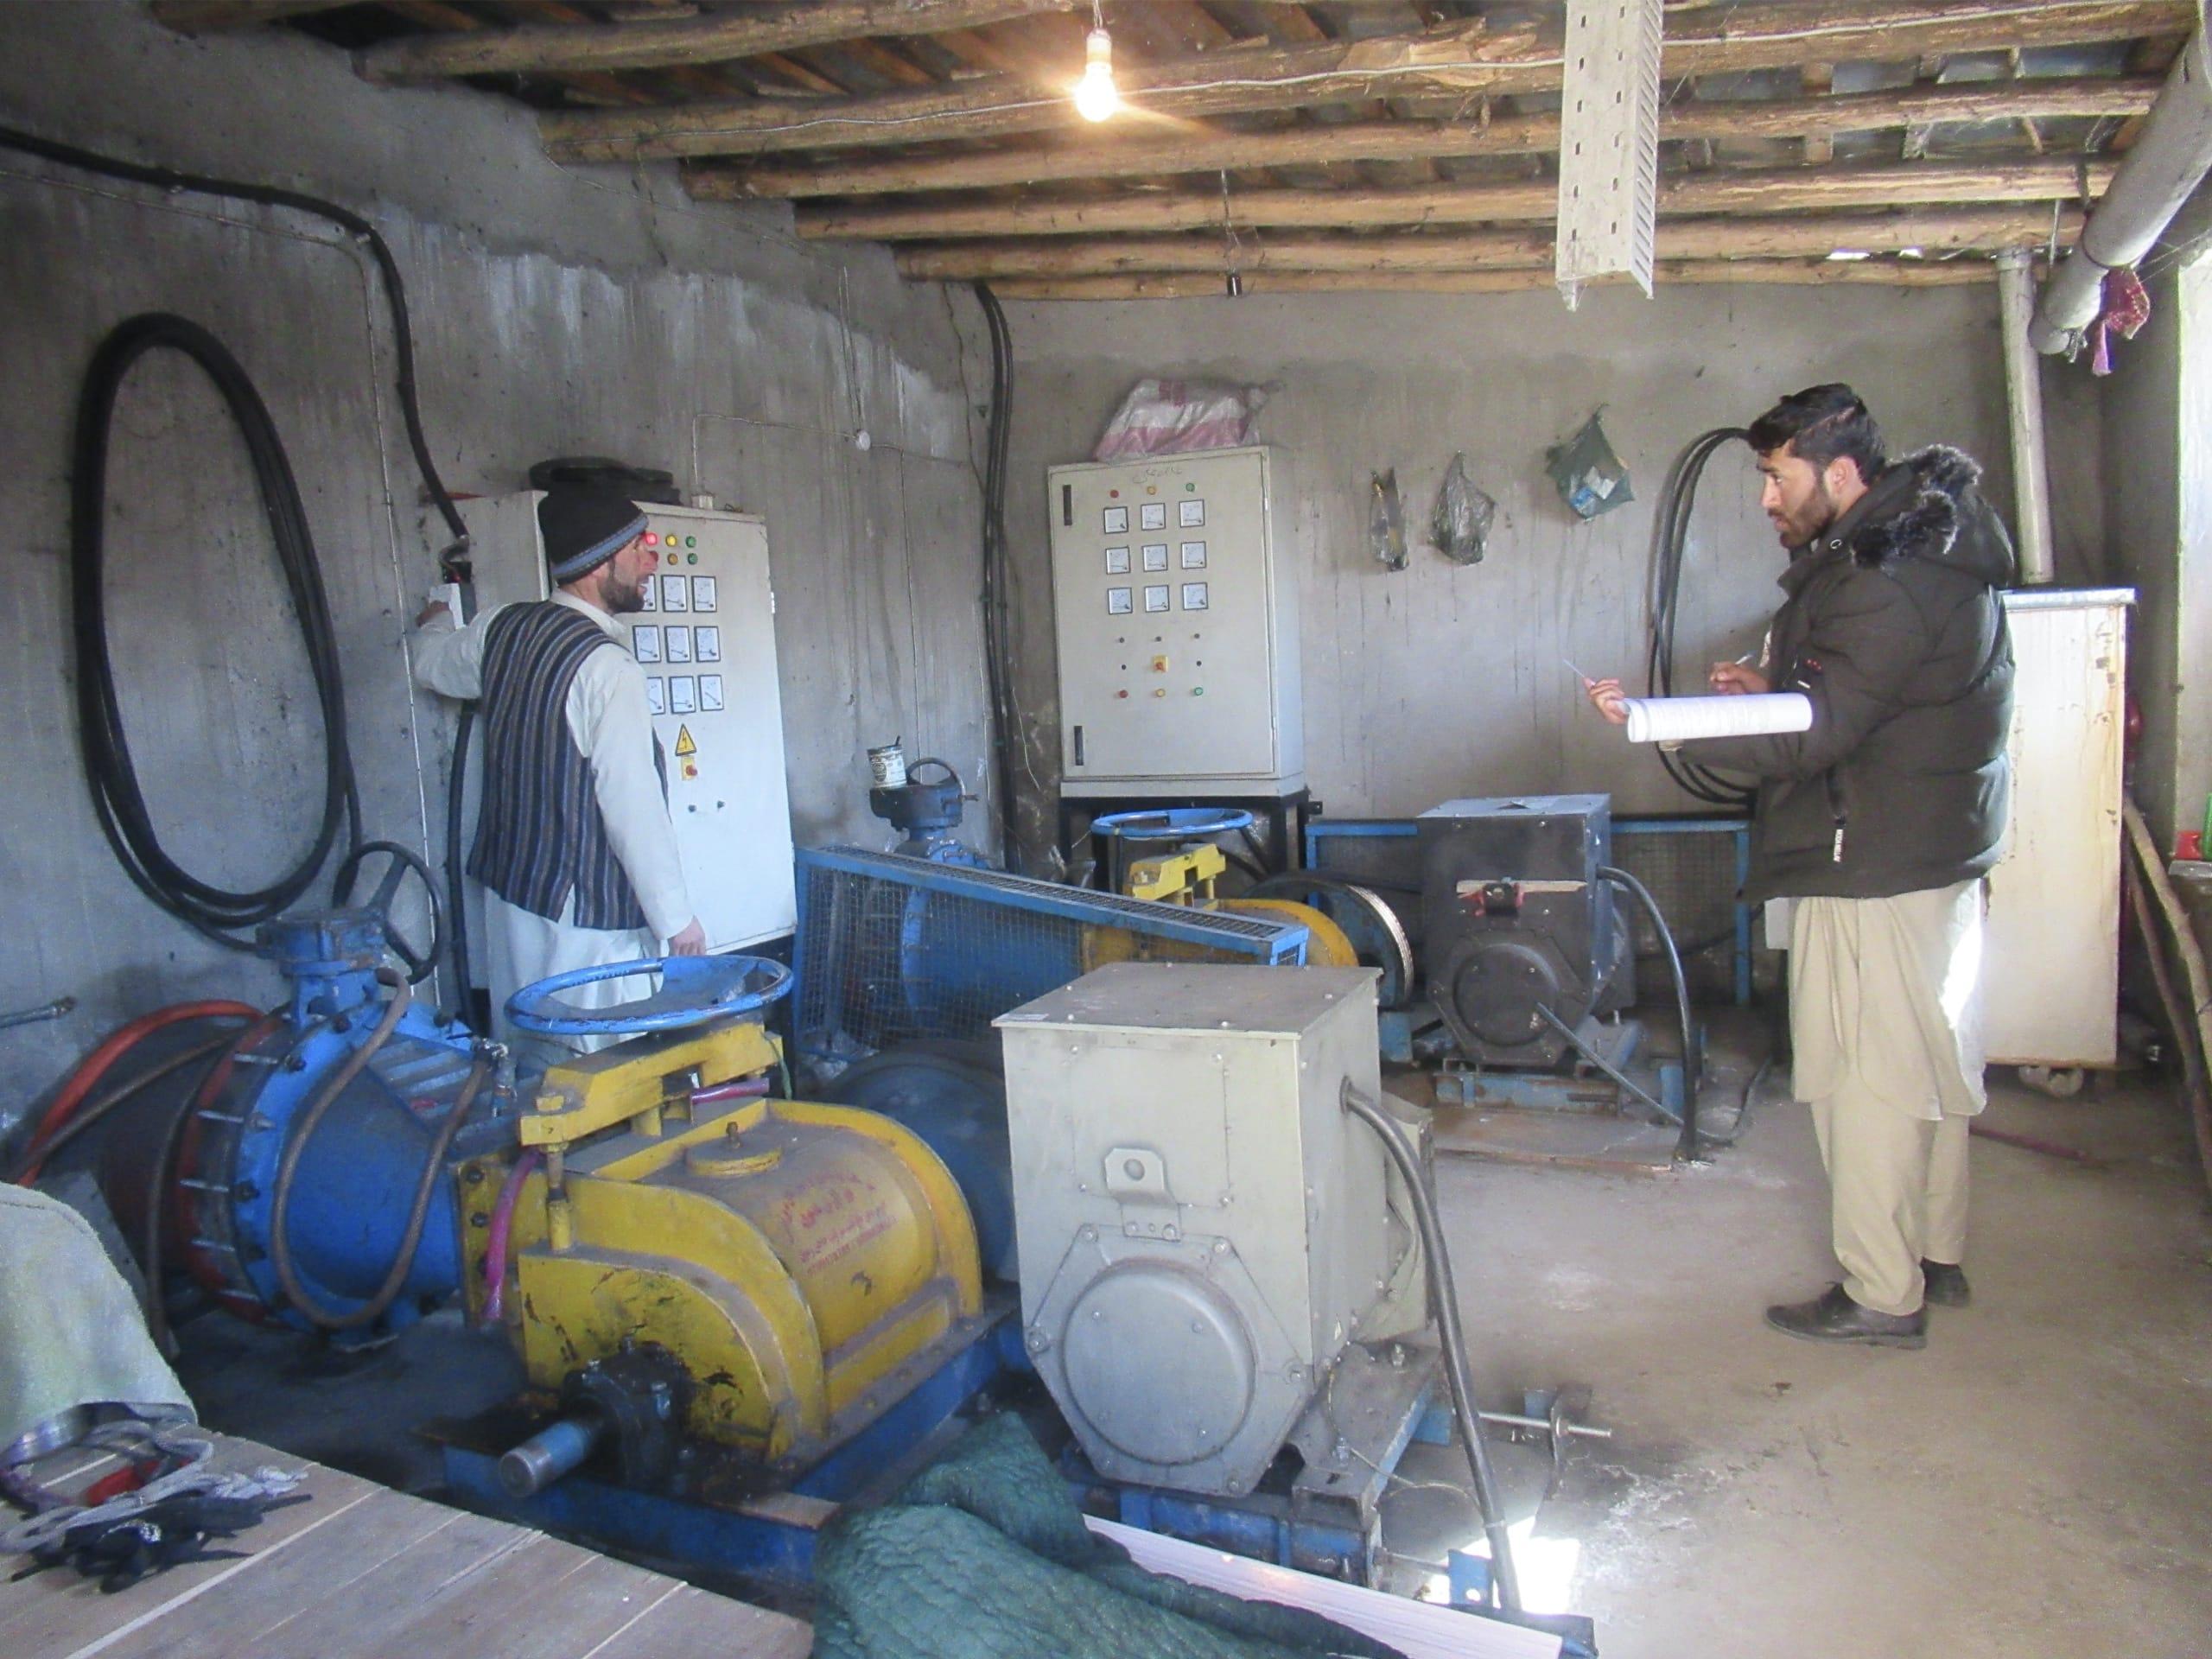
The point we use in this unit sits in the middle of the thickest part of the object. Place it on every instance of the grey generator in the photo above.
(1523, 941)
(1204, 1233)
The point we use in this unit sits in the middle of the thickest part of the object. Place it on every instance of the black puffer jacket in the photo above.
(1895, 628)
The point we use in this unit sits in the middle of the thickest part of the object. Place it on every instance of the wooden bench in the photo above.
(360, 1569)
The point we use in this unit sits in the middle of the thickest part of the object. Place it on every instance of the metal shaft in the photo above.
(546, 1456)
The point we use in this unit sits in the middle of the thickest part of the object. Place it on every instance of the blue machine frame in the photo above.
(1321, 829)
(774, 1540)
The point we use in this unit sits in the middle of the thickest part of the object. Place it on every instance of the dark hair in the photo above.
(1821, 424)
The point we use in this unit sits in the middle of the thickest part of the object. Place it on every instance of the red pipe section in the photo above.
(120, 1042)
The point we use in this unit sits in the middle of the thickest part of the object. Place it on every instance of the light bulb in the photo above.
(1096, 96)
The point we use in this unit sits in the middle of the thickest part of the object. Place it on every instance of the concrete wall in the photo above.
(1439, 681)
(557, 311)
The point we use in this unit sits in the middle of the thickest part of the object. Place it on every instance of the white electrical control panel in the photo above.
(707, 642)
(1178, 622)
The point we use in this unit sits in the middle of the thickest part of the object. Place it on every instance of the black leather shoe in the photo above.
(1944, 1284)
(1835, 1317)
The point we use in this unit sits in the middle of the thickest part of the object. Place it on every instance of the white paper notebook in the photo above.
(1681, 720)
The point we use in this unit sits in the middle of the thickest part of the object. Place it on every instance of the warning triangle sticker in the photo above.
(683, 743)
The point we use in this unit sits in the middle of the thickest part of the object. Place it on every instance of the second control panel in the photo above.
(1167, 590)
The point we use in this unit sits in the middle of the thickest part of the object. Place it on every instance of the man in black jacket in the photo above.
(1878, 822)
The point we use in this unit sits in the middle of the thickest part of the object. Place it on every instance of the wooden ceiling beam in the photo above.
(1463, 58)
(1716, 238)
(656, 44)
(1397, 141)
(1895, 273)
(1783, 190)
(202, 16)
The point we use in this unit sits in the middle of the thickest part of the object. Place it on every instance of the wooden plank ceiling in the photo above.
(1360, 144)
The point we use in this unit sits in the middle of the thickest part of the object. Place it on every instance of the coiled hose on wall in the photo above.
(211, 910)
(1669, 535)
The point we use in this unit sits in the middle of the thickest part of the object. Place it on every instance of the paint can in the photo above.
(887, 765)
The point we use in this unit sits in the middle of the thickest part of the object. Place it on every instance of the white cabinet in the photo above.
(2051, 965)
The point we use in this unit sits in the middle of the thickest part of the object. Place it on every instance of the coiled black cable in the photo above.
(1669, 535)
(209, 909)
(395, 285)
(451, 559)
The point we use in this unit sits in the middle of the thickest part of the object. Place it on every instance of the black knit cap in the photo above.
(583, 527)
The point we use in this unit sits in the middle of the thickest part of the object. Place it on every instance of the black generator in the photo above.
(1522, 937)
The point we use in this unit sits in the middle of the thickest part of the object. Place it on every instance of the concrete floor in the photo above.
(2033, 1483)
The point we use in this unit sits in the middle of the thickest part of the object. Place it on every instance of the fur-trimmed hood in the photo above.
(1929, 505)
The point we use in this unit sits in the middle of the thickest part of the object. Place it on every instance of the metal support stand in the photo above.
(1285, 816)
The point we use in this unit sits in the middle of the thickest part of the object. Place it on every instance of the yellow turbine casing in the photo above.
(803, 1263)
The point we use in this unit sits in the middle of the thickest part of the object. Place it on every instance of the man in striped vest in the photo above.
(574, 846)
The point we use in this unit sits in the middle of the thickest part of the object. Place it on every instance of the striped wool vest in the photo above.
(539, 834)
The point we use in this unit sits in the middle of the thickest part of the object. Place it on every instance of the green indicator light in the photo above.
(690, 559)
(690, 541)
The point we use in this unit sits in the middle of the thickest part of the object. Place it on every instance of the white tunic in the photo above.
(613, 729)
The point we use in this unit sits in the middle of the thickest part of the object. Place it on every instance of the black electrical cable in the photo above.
(452, 559)
(464, 992)
(1444, 1302)
(1689, 1147)
(117, 801)
(997, 647)
(1669, 537)
(394, 286)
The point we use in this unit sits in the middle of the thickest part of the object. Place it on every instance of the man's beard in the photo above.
(625, 597)
(1819, 513)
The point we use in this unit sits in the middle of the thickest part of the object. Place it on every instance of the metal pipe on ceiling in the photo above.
(2167, 163)
(2016, 287)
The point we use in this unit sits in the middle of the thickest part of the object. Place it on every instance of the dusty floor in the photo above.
(2033, 1483)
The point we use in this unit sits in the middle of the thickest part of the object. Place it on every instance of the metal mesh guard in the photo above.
(895, 949)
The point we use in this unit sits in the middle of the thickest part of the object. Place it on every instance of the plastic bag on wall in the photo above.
(1168, 417)
(1460, 525)
(1590, 476)
(1386, 520)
